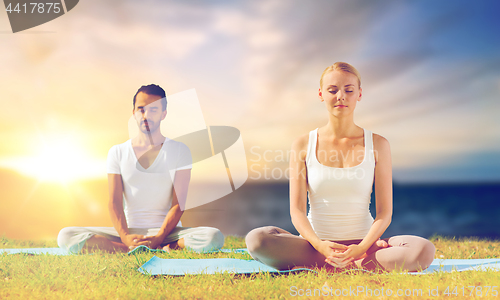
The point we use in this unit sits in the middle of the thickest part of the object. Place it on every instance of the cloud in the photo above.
(256, 65)
(289, 45)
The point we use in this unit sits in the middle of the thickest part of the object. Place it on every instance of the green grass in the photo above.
(115, 276)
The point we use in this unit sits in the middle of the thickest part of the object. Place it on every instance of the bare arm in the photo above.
(181, 184)
(298, 199)
(115, 205)
(383, 193)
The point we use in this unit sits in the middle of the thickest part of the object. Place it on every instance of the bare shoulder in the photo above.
(380, 142)
(301, 142)
(381, 147)
(299, 146)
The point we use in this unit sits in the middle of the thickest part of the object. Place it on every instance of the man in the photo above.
(148, 179)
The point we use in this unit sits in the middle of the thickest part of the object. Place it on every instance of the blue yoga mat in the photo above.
(449, 265)
(51, 251)
(160, 266)
(157, 266)
(59, 251)
(146, 249)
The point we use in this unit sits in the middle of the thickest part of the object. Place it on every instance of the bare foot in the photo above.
(167, 248)
(380, 244)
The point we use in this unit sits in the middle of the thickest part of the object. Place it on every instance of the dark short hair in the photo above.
(156, 90)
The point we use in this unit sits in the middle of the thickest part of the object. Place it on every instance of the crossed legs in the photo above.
(102, 243)
(282, 250)
(199, 239)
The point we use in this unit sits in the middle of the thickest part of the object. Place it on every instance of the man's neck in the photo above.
(148, 140)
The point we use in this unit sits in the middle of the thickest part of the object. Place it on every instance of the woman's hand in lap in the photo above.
(342, 259)
(327, 248)
(338, 262)
(354, 252)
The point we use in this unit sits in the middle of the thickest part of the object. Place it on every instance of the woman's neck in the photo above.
(340, 127)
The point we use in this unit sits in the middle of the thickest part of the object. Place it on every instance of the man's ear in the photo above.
(163, 114)
(320, 95)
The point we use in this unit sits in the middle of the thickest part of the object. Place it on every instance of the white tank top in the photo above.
(339, 198)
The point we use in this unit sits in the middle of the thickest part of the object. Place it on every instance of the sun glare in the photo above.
(59, 159)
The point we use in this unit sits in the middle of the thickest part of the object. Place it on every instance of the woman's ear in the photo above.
(360, 94)
(320, 95)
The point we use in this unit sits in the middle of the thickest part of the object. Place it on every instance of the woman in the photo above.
(337, 165)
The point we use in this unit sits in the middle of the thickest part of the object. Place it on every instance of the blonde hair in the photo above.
(340, 66)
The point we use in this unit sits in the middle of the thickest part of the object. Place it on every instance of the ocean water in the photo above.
(447, 209)
(460, 210)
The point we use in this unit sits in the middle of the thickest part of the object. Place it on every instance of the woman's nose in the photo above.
(340, 95)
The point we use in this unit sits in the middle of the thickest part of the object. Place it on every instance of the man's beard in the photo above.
(149, 128)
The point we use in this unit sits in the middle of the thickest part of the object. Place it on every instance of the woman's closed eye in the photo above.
(335, 91)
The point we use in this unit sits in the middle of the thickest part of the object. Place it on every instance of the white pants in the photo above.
(199, 239)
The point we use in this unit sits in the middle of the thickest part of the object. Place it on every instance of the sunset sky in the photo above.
(430, 77)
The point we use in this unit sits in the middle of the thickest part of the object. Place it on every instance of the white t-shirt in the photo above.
(148, 193)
